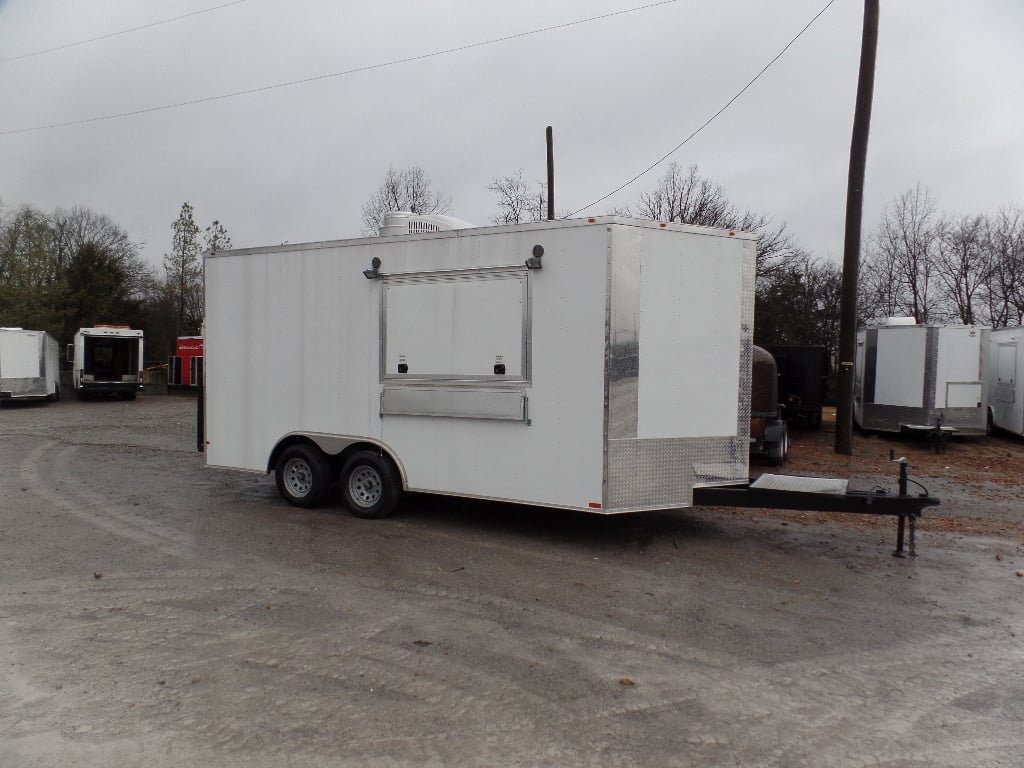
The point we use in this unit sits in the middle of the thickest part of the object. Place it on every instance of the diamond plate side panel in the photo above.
(661, 473)
(891, 418)
(801, 484)
(888, 418)
(968, 421)
(931, 368)
(746, 343)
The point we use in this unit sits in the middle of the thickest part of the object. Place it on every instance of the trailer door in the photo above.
(23, 356)
(1006, 371)
(958, 368)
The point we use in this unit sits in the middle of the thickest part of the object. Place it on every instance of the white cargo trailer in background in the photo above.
(29, 365)
(107, 360)
(920, 377)
(599, 364)
(1005, 379)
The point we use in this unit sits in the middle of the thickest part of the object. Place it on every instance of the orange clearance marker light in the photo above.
(594, 505)
(732, 234)
(663, 225)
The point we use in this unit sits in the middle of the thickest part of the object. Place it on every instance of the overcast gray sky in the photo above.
(296, 163)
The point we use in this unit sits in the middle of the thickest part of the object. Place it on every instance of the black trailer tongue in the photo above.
(825, 494)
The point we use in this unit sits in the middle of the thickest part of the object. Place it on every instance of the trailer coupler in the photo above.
(826, 494)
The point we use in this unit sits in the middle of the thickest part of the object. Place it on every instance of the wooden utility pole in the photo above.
(851, 245)
(551, 175)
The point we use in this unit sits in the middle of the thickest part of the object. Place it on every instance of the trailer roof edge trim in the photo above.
(495, 229)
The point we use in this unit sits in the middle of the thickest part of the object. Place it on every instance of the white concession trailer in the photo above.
(29, 365)
(1005, 379)
(596, 364)
(920, 377)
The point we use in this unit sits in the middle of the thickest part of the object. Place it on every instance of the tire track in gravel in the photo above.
(72, 496)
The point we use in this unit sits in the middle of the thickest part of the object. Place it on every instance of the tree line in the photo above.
(71, 269)
(941, 267)
(918, 261)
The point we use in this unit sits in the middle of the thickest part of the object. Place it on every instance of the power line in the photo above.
(355, 70)
(708, 122)
(115, 34)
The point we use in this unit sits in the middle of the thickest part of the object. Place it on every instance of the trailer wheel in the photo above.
(778, 452)
(302, 475)
(370, 485)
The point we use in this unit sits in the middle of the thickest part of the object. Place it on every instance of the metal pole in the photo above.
(899, 536)
(854, 210)
(551, 175)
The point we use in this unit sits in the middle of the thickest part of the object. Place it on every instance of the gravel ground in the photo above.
(158, 613)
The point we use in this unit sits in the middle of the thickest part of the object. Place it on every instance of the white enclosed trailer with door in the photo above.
(599, 365)
(107, 360)
(920, 377)
(29, 365)
(1005, 379)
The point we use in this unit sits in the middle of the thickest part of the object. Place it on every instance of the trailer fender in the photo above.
(337, 448)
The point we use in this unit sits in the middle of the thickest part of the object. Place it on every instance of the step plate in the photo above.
(800, 484)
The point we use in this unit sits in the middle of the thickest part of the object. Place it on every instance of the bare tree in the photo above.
(514, 198)
(406, 190)
(902, 255)
(880, 286)
(75, 228)
(689, 198)
(962, 265)
(519, 201)
(686, 197)
(1004, 290)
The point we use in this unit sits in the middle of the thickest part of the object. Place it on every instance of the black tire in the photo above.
(127, 395)
(778, 452)
(303, 475)
(370, 486)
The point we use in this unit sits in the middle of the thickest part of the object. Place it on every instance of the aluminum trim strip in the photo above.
(461, 403)
(623, 334)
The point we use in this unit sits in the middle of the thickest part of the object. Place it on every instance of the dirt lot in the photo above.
(158, 613)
